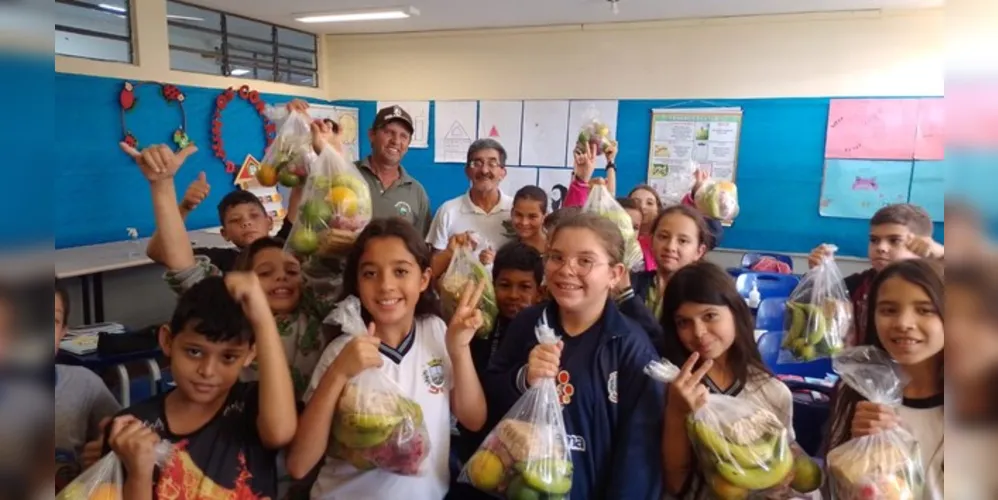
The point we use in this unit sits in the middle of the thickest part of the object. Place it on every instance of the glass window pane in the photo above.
(246, 48)
(295, 78)
(102, 20)
(91, 47)
(296, 57)
(193, 16)
(245, 28)
(101, 32)
(194, 39)
(296, 39)
(197, 63)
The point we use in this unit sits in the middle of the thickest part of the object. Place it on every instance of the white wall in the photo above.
(839, 54)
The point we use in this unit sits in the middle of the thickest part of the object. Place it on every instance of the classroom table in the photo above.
(98, 363)
(88, 263)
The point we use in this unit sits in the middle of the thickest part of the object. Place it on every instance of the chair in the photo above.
(737, 271)
(770, 284)
(769, 316)
(752, 257)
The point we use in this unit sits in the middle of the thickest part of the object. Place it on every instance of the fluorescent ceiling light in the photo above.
(120, 9)
(239, 72)
(360, 15)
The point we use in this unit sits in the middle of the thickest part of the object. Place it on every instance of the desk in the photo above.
(90, 262)
(117, 362)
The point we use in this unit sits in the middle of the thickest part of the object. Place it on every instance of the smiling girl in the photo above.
(530, 206)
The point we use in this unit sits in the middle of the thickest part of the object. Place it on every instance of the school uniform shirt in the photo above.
(459, 215)
(223, 459)
(858, 286)
(632, 306)
(612, 410)
(925, 419)
(421, 369)
(82, 400)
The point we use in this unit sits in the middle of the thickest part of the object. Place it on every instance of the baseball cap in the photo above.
(393, 113)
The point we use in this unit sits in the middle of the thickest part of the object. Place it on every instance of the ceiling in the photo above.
(470, 14)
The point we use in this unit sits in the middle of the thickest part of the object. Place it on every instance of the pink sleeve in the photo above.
(688, 200)
(578, 192)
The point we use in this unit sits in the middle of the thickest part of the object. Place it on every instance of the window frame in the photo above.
(129, 38)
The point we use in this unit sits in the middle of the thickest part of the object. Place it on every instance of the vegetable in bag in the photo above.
(289, 155)
(601, 202)
(718, 199)
(595, 132)
(105, 479)
(465, 267)
(818, 316)
(527, 454)
(375, 426)
(882, 466)
(743, 449)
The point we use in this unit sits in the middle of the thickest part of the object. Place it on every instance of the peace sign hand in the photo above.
(158, 162)
(686, 393)
(467, 317)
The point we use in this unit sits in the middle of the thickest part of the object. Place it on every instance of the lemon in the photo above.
(343, 200)
(485, 470)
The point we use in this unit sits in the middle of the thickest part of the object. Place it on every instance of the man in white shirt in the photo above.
(478, 215)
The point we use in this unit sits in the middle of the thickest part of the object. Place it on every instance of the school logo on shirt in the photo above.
(565, 389)
(611, 387)
(576, 443)
(403, 208)
(434, 377)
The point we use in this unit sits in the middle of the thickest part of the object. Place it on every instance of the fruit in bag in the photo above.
(718, 199)
(304, 241)
(594, 132)
(811, 330)
(464, 267)
(266, 175)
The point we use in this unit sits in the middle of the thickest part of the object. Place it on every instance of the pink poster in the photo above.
(930, 141)
(872, 129)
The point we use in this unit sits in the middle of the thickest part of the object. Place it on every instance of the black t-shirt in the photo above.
(223, 459)
(225, 258)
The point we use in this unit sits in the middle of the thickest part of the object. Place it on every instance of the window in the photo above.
(217, 43)
(94, 29)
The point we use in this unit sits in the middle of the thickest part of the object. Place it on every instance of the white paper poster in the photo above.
(581, 113)
(502, 121)
(518, 177)
(545, 129)
(348, 120)
(555, 182)
(420, 113)
(453, 130)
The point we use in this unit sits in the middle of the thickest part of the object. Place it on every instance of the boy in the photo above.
(83, 404)
(897, 232)
(225, 434)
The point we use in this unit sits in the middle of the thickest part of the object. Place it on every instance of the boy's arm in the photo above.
(182, 280)
(196, 193)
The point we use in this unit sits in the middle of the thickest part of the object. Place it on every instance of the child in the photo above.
(709, 333)
(650, 205)
(389, 270)
(633, 209)
(612, 410)
(530, 206)
(905, 320)
(897, 232)
(83, 404)
(225, 433)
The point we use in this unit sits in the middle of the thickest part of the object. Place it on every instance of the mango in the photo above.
(807, 475)
(485, 470)
(266, 175)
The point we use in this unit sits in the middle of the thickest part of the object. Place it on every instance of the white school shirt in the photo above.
(458, 215)
(422, 370)
(925, 419)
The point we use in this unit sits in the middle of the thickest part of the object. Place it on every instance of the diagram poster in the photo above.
(930, 139)
(420, 113)
(683, 140)
(454, 125)
(872, 129)
(502, 121)
(856, 189)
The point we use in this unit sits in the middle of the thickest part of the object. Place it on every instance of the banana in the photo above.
(743, 456)
(797, 321)
(757, 478)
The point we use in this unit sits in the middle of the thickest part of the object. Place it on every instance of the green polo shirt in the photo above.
(405, 198)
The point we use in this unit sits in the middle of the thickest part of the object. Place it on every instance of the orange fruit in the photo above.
(105, 491)
(266, 175)
(343, 200)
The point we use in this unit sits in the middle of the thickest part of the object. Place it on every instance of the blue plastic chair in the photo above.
(769, 316)
(749, 259)
(737, 271)
(769, 348)
(770, 284)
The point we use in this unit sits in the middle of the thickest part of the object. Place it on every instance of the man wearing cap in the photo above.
(394, 192)
(475, 218)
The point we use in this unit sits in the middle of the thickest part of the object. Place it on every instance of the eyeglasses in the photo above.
(581, 265)
(491, 163)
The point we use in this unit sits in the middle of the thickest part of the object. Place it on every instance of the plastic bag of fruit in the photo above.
(594, 131)
(744, 450)
(527, 454)
(718, 199)
(335, 205)
(288, 158)
(464, 267)
(375, 425)
(818, 315)
(602, 202)
(885, 465)
(105, 479)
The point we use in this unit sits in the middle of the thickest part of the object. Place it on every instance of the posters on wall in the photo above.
(871, 129)
(502, 121)
(453, 130)
(420, 113)
(545, 131)
(689, 138)
(928, 187)
(518, 177)
(348, 120)
(581, 113)
(856, 189)
(555, 182)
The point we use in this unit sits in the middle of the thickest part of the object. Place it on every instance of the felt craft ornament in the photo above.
(223, 100)
(128, 101)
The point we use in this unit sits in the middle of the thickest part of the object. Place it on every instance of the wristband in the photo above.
(611, 166)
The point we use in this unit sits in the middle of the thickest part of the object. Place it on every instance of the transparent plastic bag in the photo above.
(594, 131)
(882, 466)
(718, 199)
(335, 205)
(465, 267)
(289, 155)
(527, 454)
(601, 202)
(818, 316)
(105, 479)
(675, 179)
(375, 426)
(743, 449)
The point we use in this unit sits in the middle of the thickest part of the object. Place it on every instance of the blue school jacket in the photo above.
(614, 415)
(631, 303)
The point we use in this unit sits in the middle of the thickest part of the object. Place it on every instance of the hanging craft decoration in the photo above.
(223, 99)
(128, 100)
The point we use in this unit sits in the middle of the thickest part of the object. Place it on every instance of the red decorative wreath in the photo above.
(223, 99)
(128, 100)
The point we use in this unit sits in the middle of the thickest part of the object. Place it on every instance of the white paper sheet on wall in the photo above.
(502, 121)
(581, 113)
(420, 113)
(516, 178)
(453, 130)
(348, 119)
(555, 182)
(545, 126)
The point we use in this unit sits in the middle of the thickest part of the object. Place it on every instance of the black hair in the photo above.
(392, 227)
(244, 262)
(629, 204)
(646, 187)
(706, 283)
(532, 193)
(60, 291)
(519, 257)
(208, 308)
(335, 127)
(704, 232)
(236, 198)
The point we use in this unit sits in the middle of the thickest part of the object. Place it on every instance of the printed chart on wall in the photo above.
(502, 121)
(454, 125)
(420, 113)
(347, 118)
(685, 139)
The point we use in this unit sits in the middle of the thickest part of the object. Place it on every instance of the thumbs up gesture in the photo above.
(158, 162)
(196, 192)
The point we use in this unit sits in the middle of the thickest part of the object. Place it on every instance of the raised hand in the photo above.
(358, 355)
(135, 444)
(244, 287)
(819, 253)
(298, 105)
(487, 256)
(610, 152)
(91, 452)
(467, 318)
(686, 393)
(543, 362)
(196, 192)
(699, 178)
(585, 161)
(322, 134)
(924, 247)
(158, 162)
